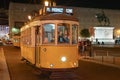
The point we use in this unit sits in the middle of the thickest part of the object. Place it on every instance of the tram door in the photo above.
(37, 46)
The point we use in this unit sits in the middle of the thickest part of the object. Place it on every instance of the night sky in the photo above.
(109, 4)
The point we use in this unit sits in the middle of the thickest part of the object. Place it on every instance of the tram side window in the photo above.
(38, 34)
(63, 33)
(22, 37)
(74, 34)
(26, 37)
(29, 36)
(48, 33)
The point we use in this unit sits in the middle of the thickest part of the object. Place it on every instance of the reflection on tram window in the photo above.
(29, 36)
(48, 33)
(26, 37)
(38, 36)
(74, 34)
(63, 33)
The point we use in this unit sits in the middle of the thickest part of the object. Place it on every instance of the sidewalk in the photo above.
(4, 74)
(91, 59)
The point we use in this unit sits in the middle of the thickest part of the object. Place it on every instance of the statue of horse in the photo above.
(102, 19)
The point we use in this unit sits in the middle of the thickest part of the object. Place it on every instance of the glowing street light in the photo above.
(46, 3)
(29, 17)
(15, 30)
(118, 32)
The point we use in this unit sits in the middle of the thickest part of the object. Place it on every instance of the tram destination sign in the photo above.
(59, 10)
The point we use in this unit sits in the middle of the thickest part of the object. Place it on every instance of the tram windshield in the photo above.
(66, 33)
(48, 33)
(63, 33)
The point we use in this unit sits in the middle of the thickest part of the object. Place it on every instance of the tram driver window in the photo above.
(48, 33)
(63, 33)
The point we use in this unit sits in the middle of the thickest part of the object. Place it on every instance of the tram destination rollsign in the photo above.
(59, 10)
(54, 10)
(69, 11)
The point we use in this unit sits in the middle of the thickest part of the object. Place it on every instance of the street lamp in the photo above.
(46, 3)
(49, 3)
(118, 32)
(29, 17)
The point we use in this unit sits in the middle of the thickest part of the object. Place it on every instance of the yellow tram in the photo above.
(16, 41)
(49, 40)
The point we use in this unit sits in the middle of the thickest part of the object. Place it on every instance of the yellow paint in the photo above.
(52, 55)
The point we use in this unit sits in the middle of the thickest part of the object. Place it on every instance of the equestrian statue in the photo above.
(102, 19)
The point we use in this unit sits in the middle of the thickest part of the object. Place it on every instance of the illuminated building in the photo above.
(18, 16)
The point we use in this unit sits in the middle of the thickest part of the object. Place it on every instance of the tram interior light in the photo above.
(63, 59)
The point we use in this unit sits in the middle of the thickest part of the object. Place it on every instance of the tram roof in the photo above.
(56, 16)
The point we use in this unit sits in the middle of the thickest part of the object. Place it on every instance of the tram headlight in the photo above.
(75, 64)
(63, 59)
(51, 65)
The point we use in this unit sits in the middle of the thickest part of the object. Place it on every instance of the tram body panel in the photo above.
(28, 53)
(22, 51)
(28, 44)
(31, 54)
(58, 57)
(16, 44)
(37, 56)
(57, 21)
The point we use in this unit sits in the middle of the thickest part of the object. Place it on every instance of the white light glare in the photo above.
(51, 65)
(46, 3)
(63, 59)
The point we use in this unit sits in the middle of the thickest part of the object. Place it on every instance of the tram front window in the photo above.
(63, 33)
(48, 33)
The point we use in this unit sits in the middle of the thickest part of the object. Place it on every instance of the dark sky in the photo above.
(109, 4)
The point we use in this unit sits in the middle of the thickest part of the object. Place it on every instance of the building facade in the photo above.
(18, 15)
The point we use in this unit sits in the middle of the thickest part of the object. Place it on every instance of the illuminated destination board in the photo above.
(59, 10)
(69, 11)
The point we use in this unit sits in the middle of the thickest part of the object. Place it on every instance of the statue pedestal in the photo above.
(106, 41)
(103, 34)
